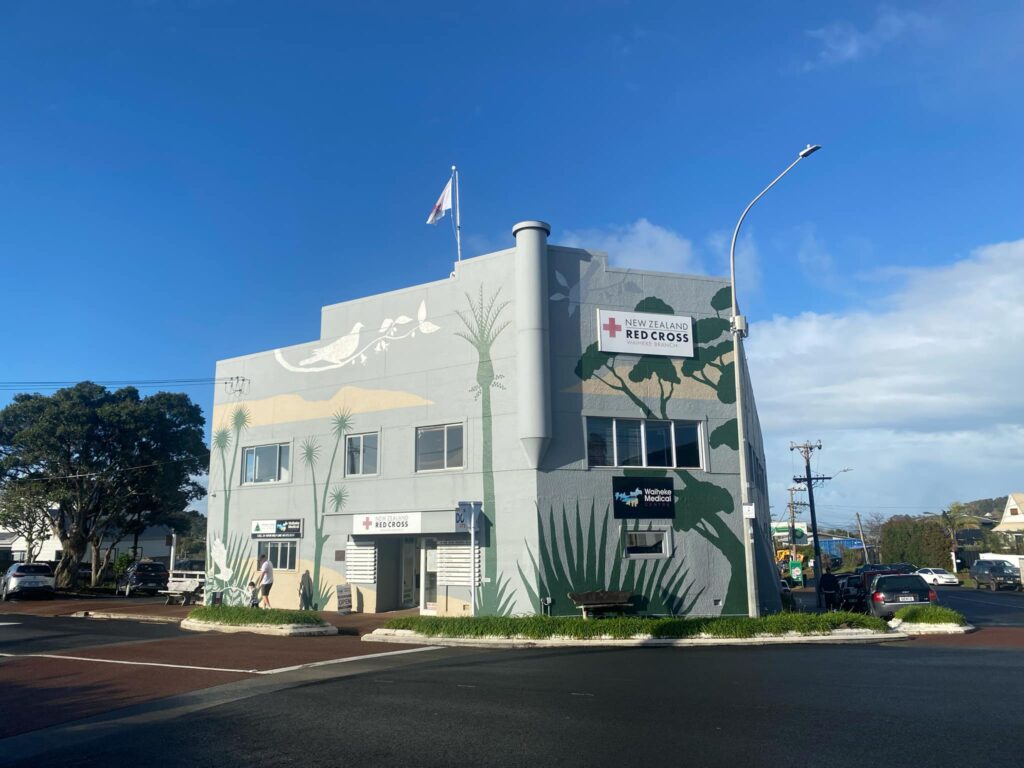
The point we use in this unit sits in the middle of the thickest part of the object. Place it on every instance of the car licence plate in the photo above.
(906, 598)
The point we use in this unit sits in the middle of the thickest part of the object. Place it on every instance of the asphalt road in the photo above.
(983, 608)
(894, 705)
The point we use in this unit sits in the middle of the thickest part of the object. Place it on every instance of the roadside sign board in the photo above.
(344, 598)
(796, 572)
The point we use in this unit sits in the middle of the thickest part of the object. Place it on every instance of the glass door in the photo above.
(428, 579)
(410, 573)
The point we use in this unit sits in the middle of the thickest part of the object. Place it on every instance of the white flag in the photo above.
(444, 203)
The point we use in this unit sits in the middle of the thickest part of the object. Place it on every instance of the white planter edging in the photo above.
(911, 628)
(281, 630)
(838, 636)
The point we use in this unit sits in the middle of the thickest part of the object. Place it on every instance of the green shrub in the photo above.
(242, 616)
(121, 564)
(930, 614)
(624, 627)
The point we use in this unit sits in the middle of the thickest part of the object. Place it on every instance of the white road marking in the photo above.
(349, 658)
(10, 623)
(582, 694)
(126, 663)
(277, 671)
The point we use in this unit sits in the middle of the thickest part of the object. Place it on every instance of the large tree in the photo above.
(107, 460)
(24, 511)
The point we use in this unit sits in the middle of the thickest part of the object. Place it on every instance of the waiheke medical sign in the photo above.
(643, 333)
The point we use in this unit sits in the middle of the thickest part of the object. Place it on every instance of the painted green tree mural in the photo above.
(483, 324)
(700, 505)
(341, 423)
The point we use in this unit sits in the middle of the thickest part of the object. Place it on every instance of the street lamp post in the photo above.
(739, 330)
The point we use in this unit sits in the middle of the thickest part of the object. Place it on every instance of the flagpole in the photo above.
(458, 221)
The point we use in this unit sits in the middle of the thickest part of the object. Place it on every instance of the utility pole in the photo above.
(806, 449)
(793, 504)
(863, 541)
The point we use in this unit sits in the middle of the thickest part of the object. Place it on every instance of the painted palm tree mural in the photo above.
(309, 452)
(228, 556)
(483, 324)
(700, 505)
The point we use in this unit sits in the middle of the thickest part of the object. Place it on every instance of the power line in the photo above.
(23, 385)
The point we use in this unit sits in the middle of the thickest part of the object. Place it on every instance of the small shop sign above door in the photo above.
(277, 529)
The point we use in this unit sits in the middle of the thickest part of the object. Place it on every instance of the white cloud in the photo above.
(842, 42)
(922, 393)
(748, 260)
(640, 245)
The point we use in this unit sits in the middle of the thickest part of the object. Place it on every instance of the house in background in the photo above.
(1012, 523)
(154, 544)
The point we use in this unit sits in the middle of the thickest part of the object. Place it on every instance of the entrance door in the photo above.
(410, 573)
(428, 579)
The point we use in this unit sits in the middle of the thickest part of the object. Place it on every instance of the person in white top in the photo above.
(265, 578)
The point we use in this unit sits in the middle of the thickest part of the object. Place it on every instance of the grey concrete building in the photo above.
(588, 411)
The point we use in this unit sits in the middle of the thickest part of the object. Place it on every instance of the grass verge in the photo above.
(543, 627)
(931, 614)
(241, 616)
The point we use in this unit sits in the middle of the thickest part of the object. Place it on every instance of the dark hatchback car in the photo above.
(891, 592)
(145, 576)
(994, 574)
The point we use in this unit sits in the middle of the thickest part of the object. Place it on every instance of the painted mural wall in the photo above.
(446, 353)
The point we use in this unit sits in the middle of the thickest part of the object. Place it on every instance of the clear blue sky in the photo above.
(187, 181)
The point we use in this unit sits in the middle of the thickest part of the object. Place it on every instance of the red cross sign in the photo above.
(612, 327)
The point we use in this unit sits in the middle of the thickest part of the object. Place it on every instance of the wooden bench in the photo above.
(601, 601)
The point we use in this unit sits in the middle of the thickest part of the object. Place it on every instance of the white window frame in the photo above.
(263, 547)
(445, 427)
(291, 463)
(362, 436)
(666, 543)
(643, 443)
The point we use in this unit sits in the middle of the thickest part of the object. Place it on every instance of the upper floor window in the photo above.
(361, 454)
(439, 447)
(642, 443)
(266, 463)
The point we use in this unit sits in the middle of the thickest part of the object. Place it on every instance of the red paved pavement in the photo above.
(991, 638)
(42, 692)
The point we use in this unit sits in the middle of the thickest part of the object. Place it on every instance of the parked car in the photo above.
(143, 576)
(994, 574)
(938, 576)
(190, 565)
(851, 592)
(891, 592)
(27, 578)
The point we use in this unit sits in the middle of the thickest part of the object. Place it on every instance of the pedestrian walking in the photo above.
(265, 578)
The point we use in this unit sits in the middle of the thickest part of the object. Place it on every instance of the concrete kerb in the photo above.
(912, 628)
(128, 616)
(280, 630)
(839, 636)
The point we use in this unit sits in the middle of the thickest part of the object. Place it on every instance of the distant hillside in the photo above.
(984, 506)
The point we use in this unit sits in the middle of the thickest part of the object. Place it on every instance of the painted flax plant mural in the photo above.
(700, 505)
(581, 565)
(483, 324)
(341, 423)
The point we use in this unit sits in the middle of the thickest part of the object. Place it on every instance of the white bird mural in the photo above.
(337, 351)
(219, 553)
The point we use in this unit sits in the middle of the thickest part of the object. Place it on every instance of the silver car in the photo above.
(27, 578)
(891, 592)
